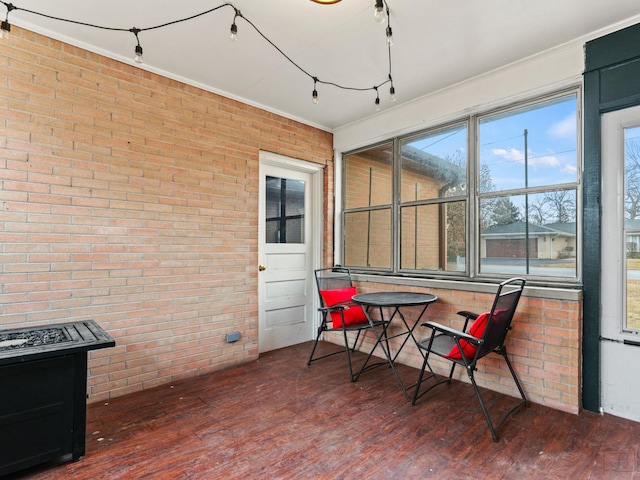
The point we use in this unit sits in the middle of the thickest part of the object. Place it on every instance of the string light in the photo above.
(233, 36)
(138, 57)
(234, 32)
(314, 94)
(392, 90)
(5, 27)
(381, 7)
(378, 12)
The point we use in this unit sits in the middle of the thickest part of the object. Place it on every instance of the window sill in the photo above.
(569, 293)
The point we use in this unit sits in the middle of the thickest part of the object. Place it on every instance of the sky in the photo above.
(551, 145)
(551, 139)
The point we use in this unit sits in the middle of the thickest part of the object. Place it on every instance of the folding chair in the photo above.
(487, 334)
(339, 312)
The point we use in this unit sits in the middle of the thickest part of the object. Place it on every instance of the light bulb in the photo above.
(378, 12)
(138, 58)
(392, 92)
(5, 29)
(389, 37)
(377, 105)
(233, 36)
(314, 97)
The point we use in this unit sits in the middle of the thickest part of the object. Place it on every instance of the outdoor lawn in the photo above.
(633, 296)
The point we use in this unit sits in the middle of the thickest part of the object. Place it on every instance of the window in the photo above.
(367, 200)
(439, 203)
(527, 189)
(433, 190)
(632, 226)
(285, 210)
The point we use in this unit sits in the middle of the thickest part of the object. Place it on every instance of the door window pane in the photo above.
(284, 210)
(632, 225)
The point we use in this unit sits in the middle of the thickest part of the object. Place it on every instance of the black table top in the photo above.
(394, 299)
(74, 337)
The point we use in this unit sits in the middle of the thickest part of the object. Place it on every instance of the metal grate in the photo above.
(32, 338)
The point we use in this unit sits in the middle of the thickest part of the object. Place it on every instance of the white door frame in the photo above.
(317, 217)
(619, 389)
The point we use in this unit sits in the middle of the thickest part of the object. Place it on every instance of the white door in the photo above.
(620, 310)
(288, 238)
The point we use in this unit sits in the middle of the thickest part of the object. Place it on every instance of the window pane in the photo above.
(434, 165)
(367, 239)
(284, 210)
(529, 234)
(632, 225)
(368, 177)
(528, 147)
(433, 237)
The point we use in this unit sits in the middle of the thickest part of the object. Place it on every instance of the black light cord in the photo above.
(10, 7)
(237, 14)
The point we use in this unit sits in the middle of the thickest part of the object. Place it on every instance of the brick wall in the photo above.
(544, 345)
(132, 199)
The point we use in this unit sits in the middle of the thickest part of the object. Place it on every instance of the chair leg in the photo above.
(321, 329)
(503, 352)
(453, 367)
(355, 342)
(348, 352)
(416, 393)
(425, 364)
(315, 345)
(482, 405)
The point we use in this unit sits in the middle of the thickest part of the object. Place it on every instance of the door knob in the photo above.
(262, 268)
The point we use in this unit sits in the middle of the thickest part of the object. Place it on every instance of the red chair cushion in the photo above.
(469, 349)
(354, 315)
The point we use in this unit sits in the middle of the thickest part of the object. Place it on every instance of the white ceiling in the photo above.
(436, 43)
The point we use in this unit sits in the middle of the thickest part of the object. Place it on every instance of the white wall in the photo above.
(528, 78)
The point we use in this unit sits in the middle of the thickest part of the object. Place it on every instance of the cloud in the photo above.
(544, 161)
(509, 154)
(534, 160)
(565, 128)
(569, 168)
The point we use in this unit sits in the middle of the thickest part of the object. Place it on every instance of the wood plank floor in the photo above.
(276, 418)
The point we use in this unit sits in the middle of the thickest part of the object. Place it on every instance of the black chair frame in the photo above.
(334, 278)
(443, 338)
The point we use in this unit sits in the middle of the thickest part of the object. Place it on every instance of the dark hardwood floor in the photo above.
(276, 418)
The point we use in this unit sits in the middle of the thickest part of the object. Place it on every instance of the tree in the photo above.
(455, 212)
(632, 179)
(487, 206)
(539, 211)
(562, 206)
(504, 212)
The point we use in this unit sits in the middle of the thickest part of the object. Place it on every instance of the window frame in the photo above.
(399, 204)
(473, 197)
